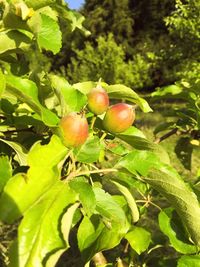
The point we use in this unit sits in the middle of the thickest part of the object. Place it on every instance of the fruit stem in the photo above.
(93, 121)
(103, 136)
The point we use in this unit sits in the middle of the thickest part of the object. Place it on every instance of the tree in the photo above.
(110, 16)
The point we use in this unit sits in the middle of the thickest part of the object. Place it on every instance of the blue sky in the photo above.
(74, 4)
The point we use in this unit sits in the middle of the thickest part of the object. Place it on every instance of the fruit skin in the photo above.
(119, 118)
(98, 100)
(74, 129)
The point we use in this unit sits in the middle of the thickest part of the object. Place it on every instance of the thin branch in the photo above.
(80, 173)
(19, 130)
(165, 136)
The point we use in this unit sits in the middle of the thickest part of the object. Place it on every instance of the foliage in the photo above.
(107, 60)
(94, 193)
(186, 120)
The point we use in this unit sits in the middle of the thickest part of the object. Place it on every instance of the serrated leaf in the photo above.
(107, 207)
(139, 239)
(2, 83)
(27, 91)
(42, 174)
(19, 149)
(70, 98)
(89, 152)
(12, 40)
(166, 223)
(120, 91)
(94, 236)
(130, 200)
(35, 244)
(5, 171)
(137, 139)
(86, 194)
(189, 261)
(167, 181)
(48, 33)
(88, 232)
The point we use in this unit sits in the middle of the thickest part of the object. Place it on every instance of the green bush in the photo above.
(107, 61)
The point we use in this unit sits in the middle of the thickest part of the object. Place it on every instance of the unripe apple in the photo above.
(119, 118)
(98, 100)
(74, 129)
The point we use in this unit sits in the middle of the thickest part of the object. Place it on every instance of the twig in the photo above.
(165, 136)
(80, 173)
(19, 130)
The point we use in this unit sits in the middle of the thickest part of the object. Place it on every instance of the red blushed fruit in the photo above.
(98, 101)
(119, 118)
(74, 129)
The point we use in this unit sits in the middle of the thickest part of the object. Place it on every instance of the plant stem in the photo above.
(80, 173)
(165, 136)
(93, 122)
(103, 136)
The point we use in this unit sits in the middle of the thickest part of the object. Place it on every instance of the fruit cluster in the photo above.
(118, 118)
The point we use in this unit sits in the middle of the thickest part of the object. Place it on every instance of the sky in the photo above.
(74, 4)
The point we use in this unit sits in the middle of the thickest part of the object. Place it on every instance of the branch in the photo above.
(80, 173)
(165, 136)
(19, 130)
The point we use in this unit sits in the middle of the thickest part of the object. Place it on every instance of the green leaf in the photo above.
(167, 226)
(12, 40)
(85, 87)
(19, 149)
(167, 181)
(139, 239)
(120, 91)
(183, 150)
(27, 92)
(108, 208)
(86, 194)
(89, 152)
(2, 83)
(94, 236)
(5, 171)
(35, 244)
(88, 232)
(130, 200)
(167, 90)
(137, 139)
(41, 176)
(164, 126)
(35, 4)
(108, 238)
(189, 261)
(66, 224)
(47, 32)
(70, 98)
